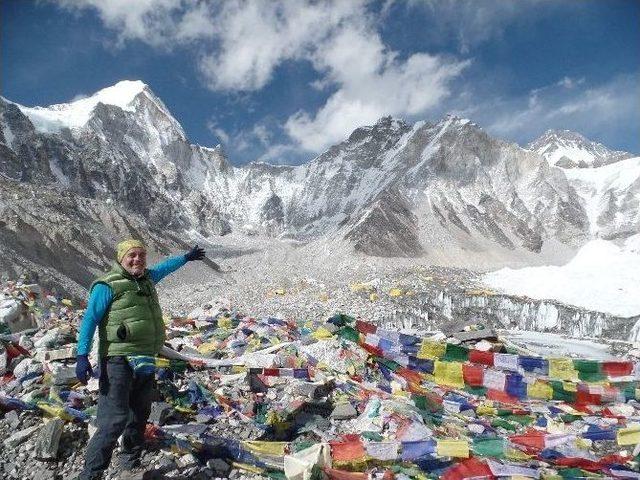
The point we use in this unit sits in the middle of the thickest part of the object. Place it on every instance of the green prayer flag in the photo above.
(488, 447)
(521, 419)
(499, 422)
(589, 370)
(455, 353)
(568, 417)
(349, 333)
(373, 436)
(390, 364)
(477, 391)
(559, 393)
(423, 402)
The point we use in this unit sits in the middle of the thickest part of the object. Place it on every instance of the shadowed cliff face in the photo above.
(62, 240)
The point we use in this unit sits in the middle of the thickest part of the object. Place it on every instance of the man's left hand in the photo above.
(196, 253)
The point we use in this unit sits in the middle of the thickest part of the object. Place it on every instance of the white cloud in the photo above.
(256, 37)
(568, 82)
(371, 82)
(152, 21)
(219, 132)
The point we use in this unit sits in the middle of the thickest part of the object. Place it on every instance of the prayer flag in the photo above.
(432, 350)
(449, 374)
(452, 448)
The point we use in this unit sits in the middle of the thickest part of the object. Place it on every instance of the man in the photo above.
(123, 305)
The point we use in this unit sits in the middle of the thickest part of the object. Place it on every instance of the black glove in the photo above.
(196, 253)
(83, 369)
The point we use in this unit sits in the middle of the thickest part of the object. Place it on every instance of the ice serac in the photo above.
(567, 149)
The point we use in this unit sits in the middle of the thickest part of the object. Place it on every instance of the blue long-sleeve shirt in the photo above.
(101, 297)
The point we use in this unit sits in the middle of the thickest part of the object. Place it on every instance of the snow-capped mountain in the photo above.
(567, 149)
(611, 196)
(443, 190)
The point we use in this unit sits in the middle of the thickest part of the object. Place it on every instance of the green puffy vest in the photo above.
(133, 324)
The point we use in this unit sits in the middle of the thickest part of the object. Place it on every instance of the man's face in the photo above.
(135, 261)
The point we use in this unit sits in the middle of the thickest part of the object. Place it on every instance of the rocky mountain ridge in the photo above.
(390, 189)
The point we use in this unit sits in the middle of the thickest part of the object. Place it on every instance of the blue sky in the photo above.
(280, 81)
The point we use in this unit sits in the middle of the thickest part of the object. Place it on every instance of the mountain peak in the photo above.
(453, 119)
(390, 122)
(568, 149)
(76, 113)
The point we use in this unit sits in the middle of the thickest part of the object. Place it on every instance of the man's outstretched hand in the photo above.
(196, 253)
(83, 369)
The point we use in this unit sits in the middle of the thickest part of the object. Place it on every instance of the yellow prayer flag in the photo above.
(207, 347)
(452, 448)
(562, 369)
(321, 333)
(539, 389)
(432, 350)
(449, 374)
(570, 386)
(629, 435)
(224, 322)
(162, 362)
(267, 448)
(486, 409)
(395, 292)
(67, 302)
(515, 454)
(54, 411)
(583, 443)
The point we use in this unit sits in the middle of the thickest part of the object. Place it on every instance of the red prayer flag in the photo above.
(617, 369)
(334, 474)
(473, 375)
(348, 449)
(478, 356)
(500, 396)
(531, 438)
(469, 468)
(577, 462)
(364, 327)
(410, 375)
(583, 397)
(373, 350)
